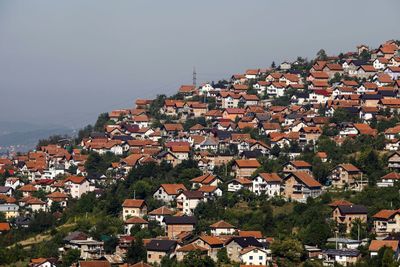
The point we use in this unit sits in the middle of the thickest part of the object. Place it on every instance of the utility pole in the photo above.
(134, 194)
(194, 76)
(336, 238)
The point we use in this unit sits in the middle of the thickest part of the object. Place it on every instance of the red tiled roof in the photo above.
(136, 220)
(307, 179)
(247, 163)
(221, 225)
(4, 226)
(377, 244)
(385, 214)
(270, 177)
(173, 189)
(133, 203)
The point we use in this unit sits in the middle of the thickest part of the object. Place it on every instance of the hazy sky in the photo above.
(66, 61)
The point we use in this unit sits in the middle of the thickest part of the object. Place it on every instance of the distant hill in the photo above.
(22, 136)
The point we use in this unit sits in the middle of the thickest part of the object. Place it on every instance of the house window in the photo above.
(250, 257)
(260, 258)
(149, 256)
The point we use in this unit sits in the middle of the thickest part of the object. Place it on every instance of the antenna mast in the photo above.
(194, 76)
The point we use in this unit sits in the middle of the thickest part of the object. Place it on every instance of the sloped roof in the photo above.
(161, 211)
(247, 163)
(270, 177)
(173, 189)
(385, 214)
(133, 203)
(191, 247)
(136, 220)
(221, 225)
(305, 178)
(377, 244)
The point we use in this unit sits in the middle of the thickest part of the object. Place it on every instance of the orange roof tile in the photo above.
(377, 244)
(133, 203)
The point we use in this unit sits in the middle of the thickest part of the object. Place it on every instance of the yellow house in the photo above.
(133, 208)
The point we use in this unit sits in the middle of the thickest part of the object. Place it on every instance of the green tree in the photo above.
(321, 55)
(358, 230)
(71, 256)
(110, 244)
(197, 259)
(275, 151)
(95, 164)
(222, 256)
(136, 252)
(289, 248)
(102, 120)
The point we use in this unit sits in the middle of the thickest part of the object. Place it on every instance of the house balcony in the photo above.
(394, 165)
(381, 228)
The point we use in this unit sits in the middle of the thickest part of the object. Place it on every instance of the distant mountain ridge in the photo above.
(23, 136)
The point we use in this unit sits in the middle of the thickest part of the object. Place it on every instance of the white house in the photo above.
(187, 201)
(388, 180)
(159, 214)
(268, 184)
(168, 192)
(222, 228)
(76, 186)
(255, 256)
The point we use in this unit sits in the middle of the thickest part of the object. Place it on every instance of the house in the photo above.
(168, 192)
(386, 222)
(222, 228)
(388, 180)
(276, 89)
(206, 179)
(210, 191)
(178, 224)
(344, 257)
(187, 201)
(89, 248)
(212, 243)
(376, 245)
(285, 65)
(236, 244)
(347, 214)
(133, 208)
(255, 256)
(6, 190)
(172, 128)
(394, 161)
(133, 222)
(239, 183)
(159, 248)
(35, 204)
(76, 186)
(57, 197)
(190, 248)
(159, 214)
(27, 190)
(44, 262)
(180, 152)
(296, 166)
(245, 167)
(300, 185)
(233, 113)
(9, 210)
(187, 89)
(13, 182)
(347, 175)
(268, 184)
